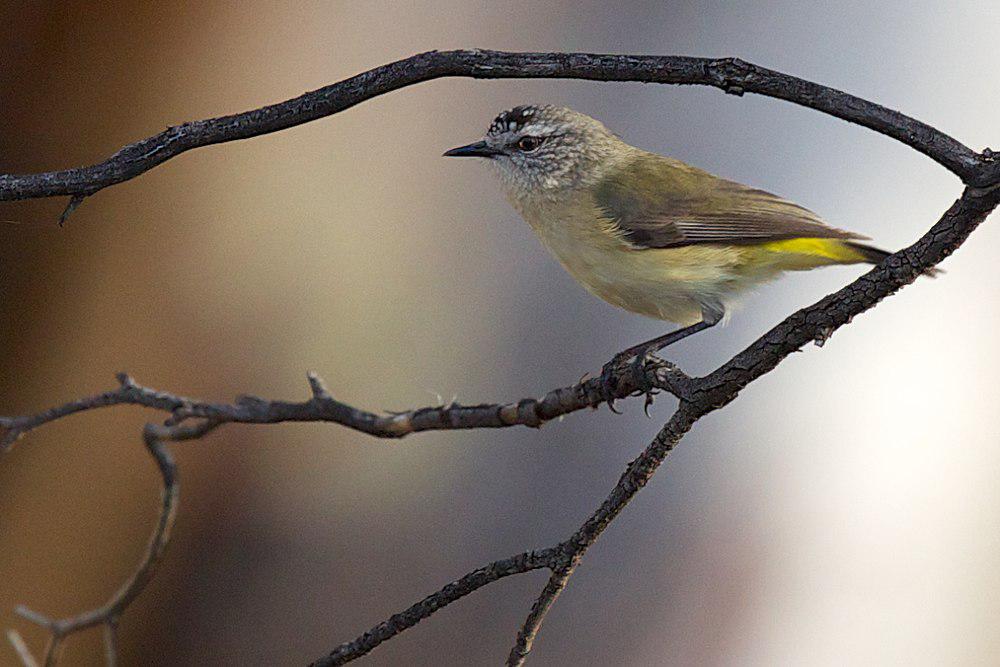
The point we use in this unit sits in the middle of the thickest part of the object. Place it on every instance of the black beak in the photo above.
(478, 149)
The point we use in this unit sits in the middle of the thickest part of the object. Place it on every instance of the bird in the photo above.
(648, 233)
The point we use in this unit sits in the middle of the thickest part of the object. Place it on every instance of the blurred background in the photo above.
(844, 510)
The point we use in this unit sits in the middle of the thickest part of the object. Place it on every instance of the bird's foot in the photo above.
(611, 374)
(629, 366)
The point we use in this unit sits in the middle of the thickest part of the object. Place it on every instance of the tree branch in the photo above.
(533, 623)
(523, 562)
(712, 392)
(189, 419)
(109, 613)
(729, 74)
(322, 407)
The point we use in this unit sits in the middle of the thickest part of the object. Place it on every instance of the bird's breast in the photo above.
(667, 284)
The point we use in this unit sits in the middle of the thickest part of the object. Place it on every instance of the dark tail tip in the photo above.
(875, 255)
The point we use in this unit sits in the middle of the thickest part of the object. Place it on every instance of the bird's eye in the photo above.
(528, 144)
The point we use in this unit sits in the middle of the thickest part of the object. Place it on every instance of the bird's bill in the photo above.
(478, 149)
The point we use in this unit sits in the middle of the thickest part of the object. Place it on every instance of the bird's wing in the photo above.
(657, 202)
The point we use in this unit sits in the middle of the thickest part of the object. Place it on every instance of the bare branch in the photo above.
(529, 630)
(322, 407)
(74, 203)
(729, 74)
(190, 419)
(714, 391)
(21, 648)
(523, 562)
(52, 651)
(111, 642)
(109, 613)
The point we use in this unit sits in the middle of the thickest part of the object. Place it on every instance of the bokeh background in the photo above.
(845, 510)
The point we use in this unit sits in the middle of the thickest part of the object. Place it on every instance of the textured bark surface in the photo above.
(732, 75)
(698, 396)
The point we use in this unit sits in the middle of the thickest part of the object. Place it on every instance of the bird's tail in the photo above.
(874, 255)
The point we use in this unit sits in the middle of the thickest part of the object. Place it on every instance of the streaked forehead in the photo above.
(516, 119)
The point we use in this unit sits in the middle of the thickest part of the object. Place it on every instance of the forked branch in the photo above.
(731, 75)
(190, 418)
(709, 393)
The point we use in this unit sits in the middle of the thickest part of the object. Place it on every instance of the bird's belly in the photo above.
(673, 284)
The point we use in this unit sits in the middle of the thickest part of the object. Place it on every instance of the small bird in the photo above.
(646, 232)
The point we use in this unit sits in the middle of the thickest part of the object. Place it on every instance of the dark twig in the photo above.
(109, 613)
(714, 391)
(529, 629)
(74, 203)
(323, 407)
(190, 419)
(729, 74)
(698, 396)
(395, 624)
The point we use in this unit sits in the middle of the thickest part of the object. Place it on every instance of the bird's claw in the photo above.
(635, 368)
(611, 374)
(640, 377)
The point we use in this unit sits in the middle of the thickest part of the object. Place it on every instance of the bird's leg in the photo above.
(642, 353)
(656, 344)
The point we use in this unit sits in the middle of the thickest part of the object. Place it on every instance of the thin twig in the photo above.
(21, 648)
(53, 649)
(529, 629)
(111, 641)
(324, 408)
(74, 203)
(729, 74)
(714, 391)
(190, 419)
(397, 623)
(109, 613)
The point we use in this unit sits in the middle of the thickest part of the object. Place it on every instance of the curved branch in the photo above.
(729, 74)
(322, 407)
(526, 561)
(191, 419)
(698, 396)
(533, 623)
(712, 392)
(109, 613)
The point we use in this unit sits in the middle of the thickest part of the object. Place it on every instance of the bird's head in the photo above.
(545, 151)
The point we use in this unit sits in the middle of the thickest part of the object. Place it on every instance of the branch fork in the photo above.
(191, 419)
